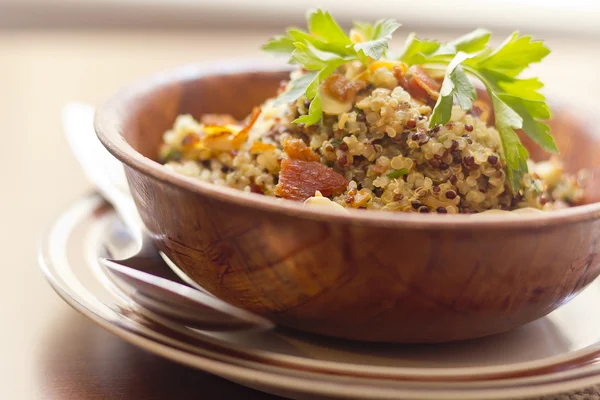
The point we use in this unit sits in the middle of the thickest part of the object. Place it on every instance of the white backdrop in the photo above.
(557, 16)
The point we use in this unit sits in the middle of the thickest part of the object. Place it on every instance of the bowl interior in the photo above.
(153, 112)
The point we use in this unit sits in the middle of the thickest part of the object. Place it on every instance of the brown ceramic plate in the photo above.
(369, 276)
(557, 353)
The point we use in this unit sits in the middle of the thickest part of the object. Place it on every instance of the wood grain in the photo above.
(366, 276)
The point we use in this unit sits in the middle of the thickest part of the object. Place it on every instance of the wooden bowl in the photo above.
(371, 276)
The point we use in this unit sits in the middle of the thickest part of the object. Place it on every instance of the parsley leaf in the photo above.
(517, 102)
(364, 29)
(514, 55)
(308, 85)
(299, 87)
(472, 42)
(377, 37)
(499, 70)
(522, 96)
(298, 35)
(315, 112)
(322, 25)
(321, 51)
(515, 154)
(285, 44)
(279, 44)
(530, 111)
(312, 58)
(525, 88)
(456, 86)
(384, 28)
(416, 51)
(397, 173)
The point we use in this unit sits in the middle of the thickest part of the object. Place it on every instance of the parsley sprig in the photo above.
(516, 102)
(323, 49)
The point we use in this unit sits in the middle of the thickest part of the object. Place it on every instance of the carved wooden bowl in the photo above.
(371, 276)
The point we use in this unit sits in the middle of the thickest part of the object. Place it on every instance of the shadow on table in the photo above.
(79, 360)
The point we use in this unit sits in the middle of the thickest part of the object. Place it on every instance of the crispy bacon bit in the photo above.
(218, 119)
(426, 82)
(260, 147)
(228, 137)
(299, 180)
(400, 75)
(296, 149)
(420, 85)
(341, 89)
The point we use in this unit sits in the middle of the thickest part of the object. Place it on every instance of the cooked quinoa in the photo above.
(374, 137)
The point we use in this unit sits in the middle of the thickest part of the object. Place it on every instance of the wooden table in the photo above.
(47, 350)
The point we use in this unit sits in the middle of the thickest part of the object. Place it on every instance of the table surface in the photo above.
(47, 350)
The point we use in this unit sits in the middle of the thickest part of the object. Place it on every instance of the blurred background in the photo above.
(56, 51)
(539, 15)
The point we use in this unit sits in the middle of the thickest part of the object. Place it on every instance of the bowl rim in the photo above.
(108, 124)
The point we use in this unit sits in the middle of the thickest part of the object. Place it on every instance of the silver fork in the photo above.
(135, 265)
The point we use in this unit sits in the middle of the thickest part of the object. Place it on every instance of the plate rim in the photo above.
(570, 379)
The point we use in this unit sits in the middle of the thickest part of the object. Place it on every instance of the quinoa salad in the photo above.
(371, 142)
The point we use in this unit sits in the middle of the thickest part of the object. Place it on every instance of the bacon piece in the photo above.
(400, 75)
(341, 89)
(218, 119)
(299, 180)
(297, 150)
(427, 83)
(419, 84)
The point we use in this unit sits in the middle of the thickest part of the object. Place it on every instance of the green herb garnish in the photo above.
(516, 102)
(323, 49)
(397, 173)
